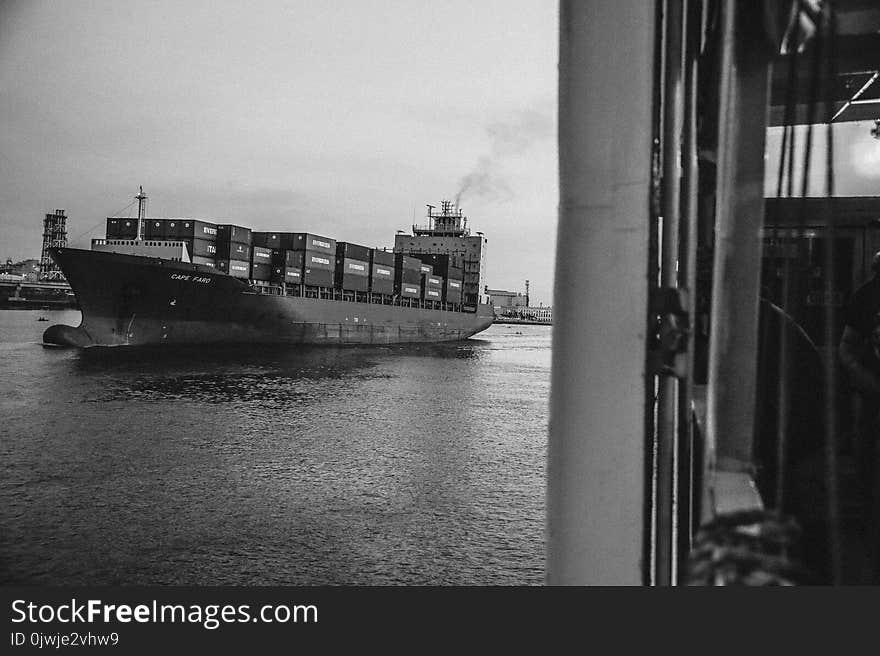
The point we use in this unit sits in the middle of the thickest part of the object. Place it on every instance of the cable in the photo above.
(100, 223)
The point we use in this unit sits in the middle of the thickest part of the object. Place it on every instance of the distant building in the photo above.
(513, 305)
(503, 299)
(539, 313)
(28, 270)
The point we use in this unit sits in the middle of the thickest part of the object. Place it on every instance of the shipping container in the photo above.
(171, 229)
(408, 290)
(235, 268)
(432, 281)
(452, 291)
(233, 233)
(406, 270)
(202, 248)
(382, 279)
(290, 275)
(156, 229)
(411, 276)
(351, 283)
(351, 267)
(318, 277)
(261, 255)
(446, 265)
(352, 275)
(207, 261)
(403, 261)
(194, 229)
(294, 241)
(345, 249)
(382, 257)
(382, 287)
(233, 251)
(121, 228)
(426, 269)
(261, 271)
(319, 261)
(266, 240)
(289, 259)
(304, 241)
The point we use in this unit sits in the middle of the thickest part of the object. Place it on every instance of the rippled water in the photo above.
(272, 466)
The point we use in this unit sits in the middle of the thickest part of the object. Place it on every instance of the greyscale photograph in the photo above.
(386, 293)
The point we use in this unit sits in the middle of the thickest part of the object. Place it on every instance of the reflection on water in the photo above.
(305, 465)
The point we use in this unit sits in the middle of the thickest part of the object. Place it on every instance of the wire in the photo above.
(101, 222)
(832, 481)
(786, 173)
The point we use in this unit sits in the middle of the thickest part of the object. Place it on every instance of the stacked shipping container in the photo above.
(407, 276)
(261, 263)
(352, 267)
(297, 257)
(432, 287)
(121, 228)
(381, 272)
(234, 250)
(287, 266)
(304, 258)
(452, 291)
(200, 238)
(444, 265)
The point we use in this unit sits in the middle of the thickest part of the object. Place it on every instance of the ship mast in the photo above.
(141, 198)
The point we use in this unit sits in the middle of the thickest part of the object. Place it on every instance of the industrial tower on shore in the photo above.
(54, 235)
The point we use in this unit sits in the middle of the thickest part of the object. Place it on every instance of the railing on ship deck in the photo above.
(334, 294)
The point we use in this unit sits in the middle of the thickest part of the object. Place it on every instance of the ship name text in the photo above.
(183, 276)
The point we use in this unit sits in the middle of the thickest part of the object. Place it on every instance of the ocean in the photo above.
(395, 465)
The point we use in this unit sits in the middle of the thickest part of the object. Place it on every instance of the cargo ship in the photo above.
(186, 281)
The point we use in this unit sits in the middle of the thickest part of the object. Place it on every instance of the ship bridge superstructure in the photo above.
(450, 221)
(447, 233)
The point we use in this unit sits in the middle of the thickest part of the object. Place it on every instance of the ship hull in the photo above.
(131, 300)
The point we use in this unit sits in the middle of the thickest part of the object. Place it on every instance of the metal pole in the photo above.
(596, 484)
(688, 279)
(667, 396)
(731, 393)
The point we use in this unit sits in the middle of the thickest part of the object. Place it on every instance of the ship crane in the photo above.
(141, 198)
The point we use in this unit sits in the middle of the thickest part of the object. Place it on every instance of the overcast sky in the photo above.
(340, 118)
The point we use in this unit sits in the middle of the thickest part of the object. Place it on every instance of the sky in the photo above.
(339, 118)
(342, 118)
(856, 160)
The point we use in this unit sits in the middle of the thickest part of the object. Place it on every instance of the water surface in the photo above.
(420, 464)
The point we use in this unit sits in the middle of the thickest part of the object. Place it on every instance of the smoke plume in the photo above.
(507, 140)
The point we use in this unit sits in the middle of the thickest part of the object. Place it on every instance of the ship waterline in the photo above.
(133, 300)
